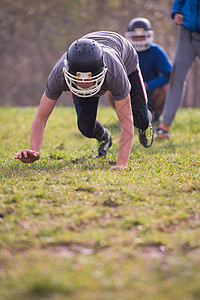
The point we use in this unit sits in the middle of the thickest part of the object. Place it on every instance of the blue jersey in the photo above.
(155, 66)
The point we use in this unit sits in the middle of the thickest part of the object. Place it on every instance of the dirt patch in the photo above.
(192, 221)
(69, 250)
(153, 251)
(195, 252)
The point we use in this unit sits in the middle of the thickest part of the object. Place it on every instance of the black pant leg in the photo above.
(86, 110)
(139, 101)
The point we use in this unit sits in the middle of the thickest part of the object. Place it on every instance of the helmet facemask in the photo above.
(84, 77)
(143, 44)
(140, 27)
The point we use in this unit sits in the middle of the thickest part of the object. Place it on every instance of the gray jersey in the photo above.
(120, 58)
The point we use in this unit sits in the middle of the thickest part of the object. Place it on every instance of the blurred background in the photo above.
(35, 33)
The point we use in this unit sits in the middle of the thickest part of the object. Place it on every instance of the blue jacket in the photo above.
(155, 66)
(190, 9)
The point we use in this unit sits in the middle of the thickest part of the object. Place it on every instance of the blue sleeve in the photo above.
(163, 66)
(177, 7)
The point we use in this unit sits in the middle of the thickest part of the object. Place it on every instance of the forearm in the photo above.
(177, 7)
(125, 145)
(37, 134)
(37, 131)
(124, 113)
(157, 82)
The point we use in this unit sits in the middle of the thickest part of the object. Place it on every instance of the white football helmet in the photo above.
(140, 27)
(84, 68)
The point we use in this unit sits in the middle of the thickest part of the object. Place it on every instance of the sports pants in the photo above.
(188, 47)
(86, 109)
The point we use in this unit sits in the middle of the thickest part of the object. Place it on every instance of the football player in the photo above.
(94, 64)
(154, 63)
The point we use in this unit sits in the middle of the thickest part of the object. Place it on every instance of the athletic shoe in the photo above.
(146, 137)
(104, 145)
(162, 134)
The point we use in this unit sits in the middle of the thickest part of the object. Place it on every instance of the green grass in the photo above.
(72, 228)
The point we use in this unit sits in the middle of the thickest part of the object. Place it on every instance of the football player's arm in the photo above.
(125, 116)
(37, 131)
(163, 68)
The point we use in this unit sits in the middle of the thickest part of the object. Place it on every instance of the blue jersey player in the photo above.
(154, 63)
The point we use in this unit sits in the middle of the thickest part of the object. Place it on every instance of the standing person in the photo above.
(186, 14)
(97, 62)
(154, 63)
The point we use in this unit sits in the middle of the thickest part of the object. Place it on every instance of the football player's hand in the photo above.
(118, 167)
(27, 156)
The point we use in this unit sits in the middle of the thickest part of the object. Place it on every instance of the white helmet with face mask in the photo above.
(140, 27)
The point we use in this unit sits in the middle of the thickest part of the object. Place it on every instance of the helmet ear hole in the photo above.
(138, 27)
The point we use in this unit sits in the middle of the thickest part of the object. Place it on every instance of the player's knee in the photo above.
(86, 129)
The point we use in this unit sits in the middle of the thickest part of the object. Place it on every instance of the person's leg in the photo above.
(141, 115)
(196, 42)
(158, 98)
(139, 100)
(151, 106)
(184, 57)
(86, 110)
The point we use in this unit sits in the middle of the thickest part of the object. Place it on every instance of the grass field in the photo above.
(72, 228)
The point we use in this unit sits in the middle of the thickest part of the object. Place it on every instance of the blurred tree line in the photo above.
(35, 33)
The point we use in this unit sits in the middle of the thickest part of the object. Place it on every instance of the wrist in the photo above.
(122, 163)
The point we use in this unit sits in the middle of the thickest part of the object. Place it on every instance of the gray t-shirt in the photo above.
(120, 58)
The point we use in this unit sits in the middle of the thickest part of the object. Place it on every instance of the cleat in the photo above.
(104, 145)
(146, 137)
(162, 134)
